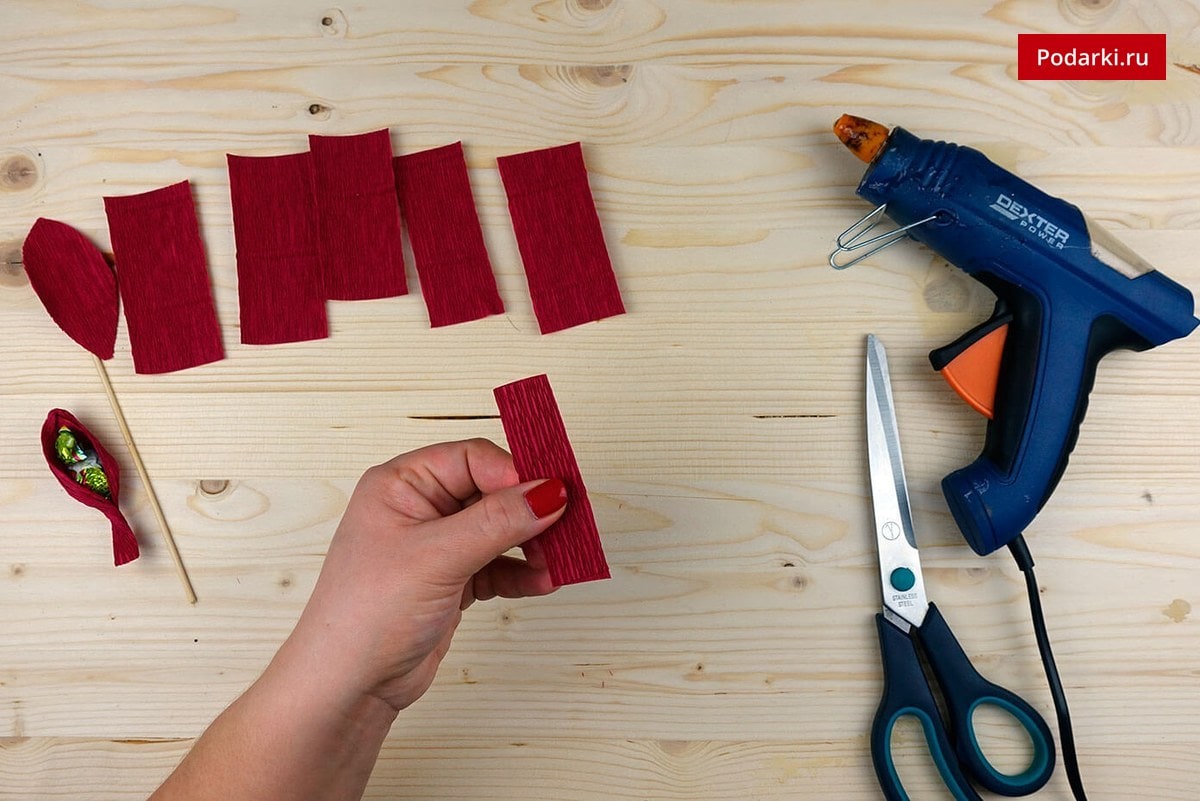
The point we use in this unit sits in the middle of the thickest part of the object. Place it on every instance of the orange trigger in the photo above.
(974, 373)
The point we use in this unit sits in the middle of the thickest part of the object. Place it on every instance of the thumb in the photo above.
(497, 522)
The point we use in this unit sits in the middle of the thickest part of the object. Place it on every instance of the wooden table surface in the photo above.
(718, 423)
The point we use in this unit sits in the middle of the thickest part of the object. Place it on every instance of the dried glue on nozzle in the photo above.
(864, 138)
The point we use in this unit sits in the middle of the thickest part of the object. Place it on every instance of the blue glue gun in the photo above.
(1067, 293)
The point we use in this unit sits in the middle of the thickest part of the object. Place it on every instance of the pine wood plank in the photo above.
(718, 424)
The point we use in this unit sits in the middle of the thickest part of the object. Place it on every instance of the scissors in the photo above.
(910, 624)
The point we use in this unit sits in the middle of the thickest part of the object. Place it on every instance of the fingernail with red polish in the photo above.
(546, 498)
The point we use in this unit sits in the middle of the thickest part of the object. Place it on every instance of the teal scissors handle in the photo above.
(955, 749)
(906, 693)
(964, 691)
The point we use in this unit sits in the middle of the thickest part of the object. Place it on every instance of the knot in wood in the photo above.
(18, 173)
(976, 575)
(605, 74)
(12, 272)
(211, 487)
(946, 292)
(1087, 12)
(334, 24)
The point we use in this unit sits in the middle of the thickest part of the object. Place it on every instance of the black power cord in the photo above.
(1020, 552)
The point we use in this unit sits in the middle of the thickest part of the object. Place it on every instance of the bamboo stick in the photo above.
(168, 538)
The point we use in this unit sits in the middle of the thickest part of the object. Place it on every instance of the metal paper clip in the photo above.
(848, 240)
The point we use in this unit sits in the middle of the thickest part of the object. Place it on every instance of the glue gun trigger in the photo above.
(971, 363)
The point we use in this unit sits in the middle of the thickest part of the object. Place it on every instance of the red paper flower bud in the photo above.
(125, 544)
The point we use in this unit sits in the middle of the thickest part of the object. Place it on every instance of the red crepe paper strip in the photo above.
(124, 543)
(571, 278)
(163, 278)
(358, 217)
(540, 449)
(74, 283)
(280, 297)
(447, 241)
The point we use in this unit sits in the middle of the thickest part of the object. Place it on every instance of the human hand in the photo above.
(422, 538)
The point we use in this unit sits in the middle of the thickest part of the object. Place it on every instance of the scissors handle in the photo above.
(964, 691)
(906, 692)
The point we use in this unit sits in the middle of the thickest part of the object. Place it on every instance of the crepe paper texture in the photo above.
(570, 276)
(75, 284)
(124, 543)
(163, 280)
(540, 449)
(280, 296)
(358, 218)
(439, 214)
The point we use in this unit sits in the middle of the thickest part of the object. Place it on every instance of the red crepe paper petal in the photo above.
(571, 278)
(163, 279)
(75, 284)
(540, 449)
(280, 296)
(357, 215)
(447, 242)
(125, 544)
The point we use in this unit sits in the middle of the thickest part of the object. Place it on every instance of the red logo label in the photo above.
(1091, 56)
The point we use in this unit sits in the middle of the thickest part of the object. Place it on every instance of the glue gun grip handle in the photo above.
(1047, 371)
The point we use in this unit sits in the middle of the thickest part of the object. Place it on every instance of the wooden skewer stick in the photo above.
(168, 538)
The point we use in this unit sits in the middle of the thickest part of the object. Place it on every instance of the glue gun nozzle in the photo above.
(864, 137)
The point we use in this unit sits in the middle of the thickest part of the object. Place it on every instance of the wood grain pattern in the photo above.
(560, 769)
(718, 423)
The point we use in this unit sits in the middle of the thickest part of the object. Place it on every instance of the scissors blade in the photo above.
(899, 561)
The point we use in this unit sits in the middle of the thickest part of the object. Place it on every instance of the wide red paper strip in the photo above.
(75, 284)
(358, 218)
(280, 296)
(163, 279)
(124, 543)
(571, 278)
(447, 241)
(540, 449)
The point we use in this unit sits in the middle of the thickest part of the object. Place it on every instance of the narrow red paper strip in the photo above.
(280, 296)
(447, 241)
(74, 283)
(163, 279)
(124, 543)
(540, 449)
(358, 216)
(571, 278)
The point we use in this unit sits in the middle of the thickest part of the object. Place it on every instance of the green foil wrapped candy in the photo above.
(66, 447)
(94, 478)
(77, 456)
